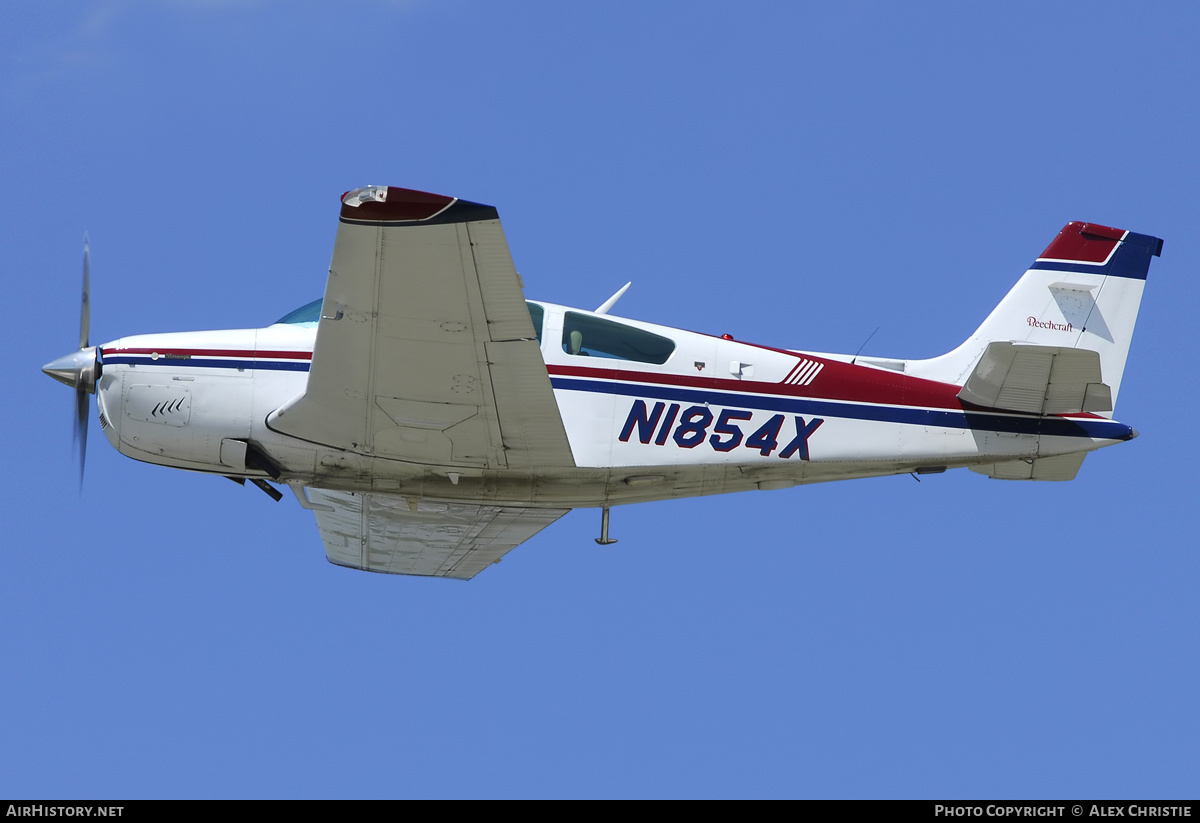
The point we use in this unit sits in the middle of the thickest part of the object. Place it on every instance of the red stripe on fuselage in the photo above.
(849, 383)
(838, 381)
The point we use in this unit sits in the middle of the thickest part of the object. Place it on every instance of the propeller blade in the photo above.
(81, 428)
(85, 312)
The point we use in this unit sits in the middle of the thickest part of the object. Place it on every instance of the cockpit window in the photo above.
(585, 335)
(537, 314)
(308, 315)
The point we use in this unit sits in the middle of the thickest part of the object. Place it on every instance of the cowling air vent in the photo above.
(169, 405)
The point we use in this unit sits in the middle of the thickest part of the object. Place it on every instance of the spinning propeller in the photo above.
(80, 369)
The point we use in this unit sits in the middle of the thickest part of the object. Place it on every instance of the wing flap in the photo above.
(529, 431)
(397, 535)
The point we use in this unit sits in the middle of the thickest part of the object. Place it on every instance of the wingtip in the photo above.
(375, 205)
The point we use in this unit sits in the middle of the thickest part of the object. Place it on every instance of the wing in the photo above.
(386, 533)
(425, 349)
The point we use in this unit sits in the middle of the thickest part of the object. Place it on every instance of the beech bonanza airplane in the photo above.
(433, 419)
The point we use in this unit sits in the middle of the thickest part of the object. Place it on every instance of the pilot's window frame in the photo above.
(537, 314)
(586, 335)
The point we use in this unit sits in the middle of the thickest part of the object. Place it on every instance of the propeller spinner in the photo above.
(80, 369)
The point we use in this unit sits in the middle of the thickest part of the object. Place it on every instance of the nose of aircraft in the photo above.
(77, 369)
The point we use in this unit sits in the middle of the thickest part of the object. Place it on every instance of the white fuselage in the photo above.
(717, 416)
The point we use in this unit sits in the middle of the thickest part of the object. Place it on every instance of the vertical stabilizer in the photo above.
(1083, 292)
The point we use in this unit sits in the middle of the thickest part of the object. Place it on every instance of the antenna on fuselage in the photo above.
(612, 301)
(864, 345)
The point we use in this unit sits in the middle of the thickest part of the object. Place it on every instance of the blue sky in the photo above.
(793, 174)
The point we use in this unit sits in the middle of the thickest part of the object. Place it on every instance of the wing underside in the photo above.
(425, 350)
(397, 535)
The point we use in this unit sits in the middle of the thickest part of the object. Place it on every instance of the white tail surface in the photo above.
(1083, 292)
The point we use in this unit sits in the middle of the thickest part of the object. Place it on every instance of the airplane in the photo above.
(433, 419)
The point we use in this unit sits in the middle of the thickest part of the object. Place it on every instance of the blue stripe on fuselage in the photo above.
(195, 363)
(977, 421)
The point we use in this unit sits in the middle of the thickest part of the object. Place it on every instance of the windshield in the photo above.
(307, 315)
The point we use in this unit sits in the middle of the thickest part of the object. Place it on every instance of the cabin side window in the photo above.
(585, 335)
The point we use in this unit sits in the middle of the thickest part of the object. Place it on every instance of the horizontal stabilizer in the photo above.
(1038, 380)
(1059, 467)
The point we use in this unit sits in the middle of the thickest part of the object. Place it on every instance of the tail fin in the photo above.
(1083, 292)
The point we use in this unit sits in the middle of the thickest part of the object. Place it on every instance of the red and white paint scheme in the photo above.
(433, 419)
